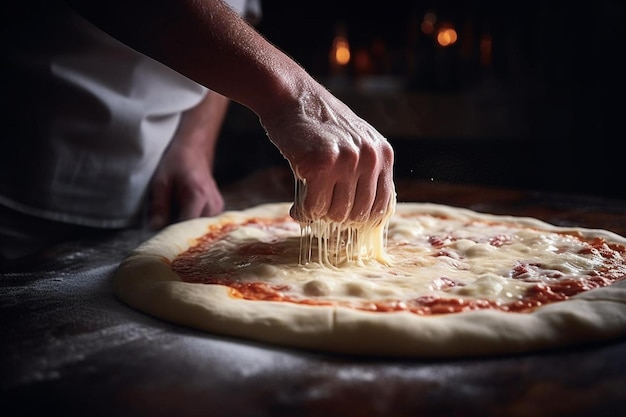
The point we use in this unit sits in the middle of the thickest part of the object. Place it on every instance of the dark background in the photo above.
(543, 113)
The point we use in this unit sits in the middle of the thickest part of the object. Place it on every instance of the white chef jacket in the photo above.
(85, 118)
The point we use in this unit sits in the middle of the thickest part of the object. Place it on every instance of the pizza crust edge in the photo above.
(145, 282)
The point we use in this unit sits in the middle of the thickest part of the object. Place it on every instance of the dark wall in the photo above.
(560, 64)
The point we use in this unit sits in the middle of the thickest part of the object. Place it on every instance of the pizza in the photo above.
(432, 281)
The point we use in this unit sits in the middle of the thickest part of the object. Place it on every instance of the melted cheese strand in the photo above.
(341, 243)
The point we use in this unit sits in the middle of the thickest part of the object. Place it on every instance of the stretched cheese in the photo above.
(342, 243)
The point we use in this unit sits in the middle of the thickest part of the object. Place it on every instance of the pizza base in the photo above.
(145, 282)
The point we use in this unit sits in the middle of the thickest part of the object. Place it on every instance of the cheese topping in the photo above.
(431, 258)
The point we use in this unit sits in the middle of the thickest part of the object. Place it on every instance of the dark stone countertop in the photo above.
(69, 347)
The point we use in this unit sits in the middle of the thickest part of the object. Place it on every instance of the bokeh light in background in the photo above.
(446, 36)
(340, 54)
(524, 87)
(428, 23)
(511, 42)
(398, 40)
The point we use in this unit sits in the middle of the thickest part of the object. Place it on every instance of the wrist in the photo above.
(284, 91)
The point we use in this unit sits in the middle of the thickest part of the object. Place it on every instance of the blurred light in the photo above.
(428, 23)
(486, 46)
(362, 61)
(446, 36)
(339, 54)
(342, 50)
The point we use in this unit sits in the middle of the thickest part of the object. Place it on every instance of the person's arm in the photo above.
(346, 164)
(183, 186)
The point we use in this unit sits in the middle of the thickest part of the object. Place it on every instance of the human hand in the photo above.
(344, 165)
(183, 187)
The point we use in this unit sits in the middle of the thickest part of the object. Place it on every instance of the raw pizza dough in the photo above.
(146, 281)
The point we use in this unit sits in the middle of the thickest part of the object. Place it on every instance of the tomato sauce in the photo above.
(559, 288)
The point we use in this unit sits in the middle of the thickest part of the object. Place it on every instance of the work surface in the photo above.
(69, 347)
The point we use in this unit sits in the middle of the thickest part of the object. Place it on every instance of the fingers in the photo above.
(183, 200)
(191, 208)
(342, 201)
(201, 205)
(355, 193)
(346, 165)
(316, 200)
(364, 198)
(215, 204)
(160, 205)
(385, 198)
(369, 200)
(372, 198)
(203, 199)
(385, 188)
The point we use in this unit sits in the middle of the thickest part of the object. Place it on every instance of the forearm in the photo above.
(200, 126)
(344, 162)
(208, 42)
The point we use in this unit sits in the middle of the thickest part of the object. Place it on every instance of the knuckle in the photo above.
(387, 152)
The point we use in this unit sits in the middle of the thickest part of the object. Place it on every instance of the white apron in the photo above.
(85, 119)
